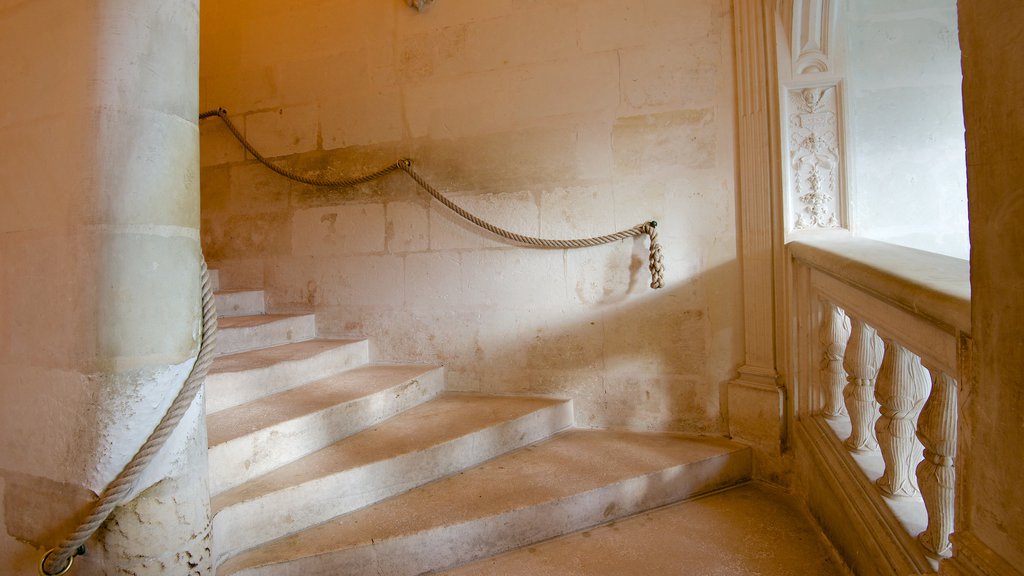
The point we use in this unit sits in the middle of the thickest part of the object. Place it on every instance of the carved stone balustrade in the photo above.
(862, 360)
(834, 334)
(900, 314)
(901, 389)
(936, 474)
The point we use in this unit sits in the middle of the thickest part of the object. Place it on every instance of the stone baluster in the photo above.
(834, 333)
(936, 474)
(863, 357)
(902, 387)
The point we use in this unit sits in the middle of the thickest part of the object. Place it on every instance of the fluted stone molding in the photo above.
(936, 474)
(901, 390)
(759, 180)
(862, 360)
(756, 397)
(834, 334)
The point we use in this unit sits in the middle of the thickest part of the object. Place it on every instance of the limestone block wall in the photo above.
(559, 118)
(909, 176)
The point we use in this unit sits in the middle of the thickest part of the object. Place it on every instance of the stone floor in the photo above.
(752, 529)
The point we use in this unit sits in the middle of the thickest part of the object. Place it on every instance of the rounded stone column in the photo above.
(99, 306)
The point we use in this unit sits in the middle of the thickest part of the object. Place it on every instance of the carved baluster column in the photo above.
(901, 390)
(863, 357)
(834, 333)
(936, 474)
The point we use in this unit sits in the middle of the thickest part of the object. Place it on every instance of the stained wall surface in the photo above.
(992, 495)
(908, 173)
(559, 118)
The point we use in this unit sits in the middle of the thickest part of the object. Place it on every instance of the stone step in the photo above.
(241, 333)
(238, 378)
(239, 302)
(214, 279)
(252, 439)
(420, 445)
(577, 479)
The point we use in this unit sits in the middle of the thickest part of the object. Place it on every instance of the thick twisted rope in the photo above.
(648, 228)
(655, 261)
(311, 180)
(58, 560)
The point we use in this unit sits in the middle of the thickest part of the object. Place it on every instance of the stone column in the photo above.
(936, 474)
(900, 390)
(833, 334)
(99, 307)
(863, 358)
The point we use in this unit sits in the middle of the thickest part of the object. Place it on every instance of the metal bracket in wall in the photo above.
(419, 5)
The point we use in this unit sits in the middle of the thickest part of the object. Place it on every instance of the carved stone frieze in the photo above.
(814, 156)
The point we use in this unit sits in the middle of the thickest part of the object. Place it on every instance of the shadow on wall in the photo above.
(382, 261)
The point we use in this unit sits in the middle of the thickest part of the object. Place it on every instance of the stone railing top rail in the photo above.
(931, 285)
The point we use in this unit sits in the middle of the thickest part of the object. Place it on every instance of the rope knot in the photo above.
(656, 263)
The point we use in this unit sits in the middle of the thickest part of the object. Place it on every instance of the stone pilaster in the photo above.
(757, 401)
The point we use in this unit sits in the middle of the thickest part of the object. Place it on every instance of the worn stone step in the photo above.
(239, 302)
(238, 378)
(575, 480)
(750, 529)
(422, 444)
(252, 439)
(241, 333)
(214, 279)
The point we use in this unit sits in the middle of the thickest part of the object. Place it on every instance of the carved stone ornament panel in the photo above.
(814, 23)
(814, 157)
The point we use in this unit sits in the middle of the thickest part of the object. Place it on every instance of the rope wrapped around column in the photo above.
(655, 260)
(58, 560)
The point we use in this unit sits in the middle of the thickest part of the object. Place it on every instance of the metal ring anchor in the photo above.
(42, 563)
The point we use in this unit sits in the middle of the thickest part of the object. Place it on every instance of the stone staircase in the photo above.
(325, 463)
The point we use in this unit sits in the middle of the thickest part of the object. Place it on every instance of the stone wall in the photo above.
(908, 174)
(558, 118)
(991, 514)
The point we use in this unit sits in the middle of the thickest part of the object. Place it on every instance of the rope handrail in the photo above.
(655, 260)
(58, 560)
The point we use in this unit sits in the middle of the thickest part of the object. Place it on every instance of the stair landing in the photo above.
(752, 529)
